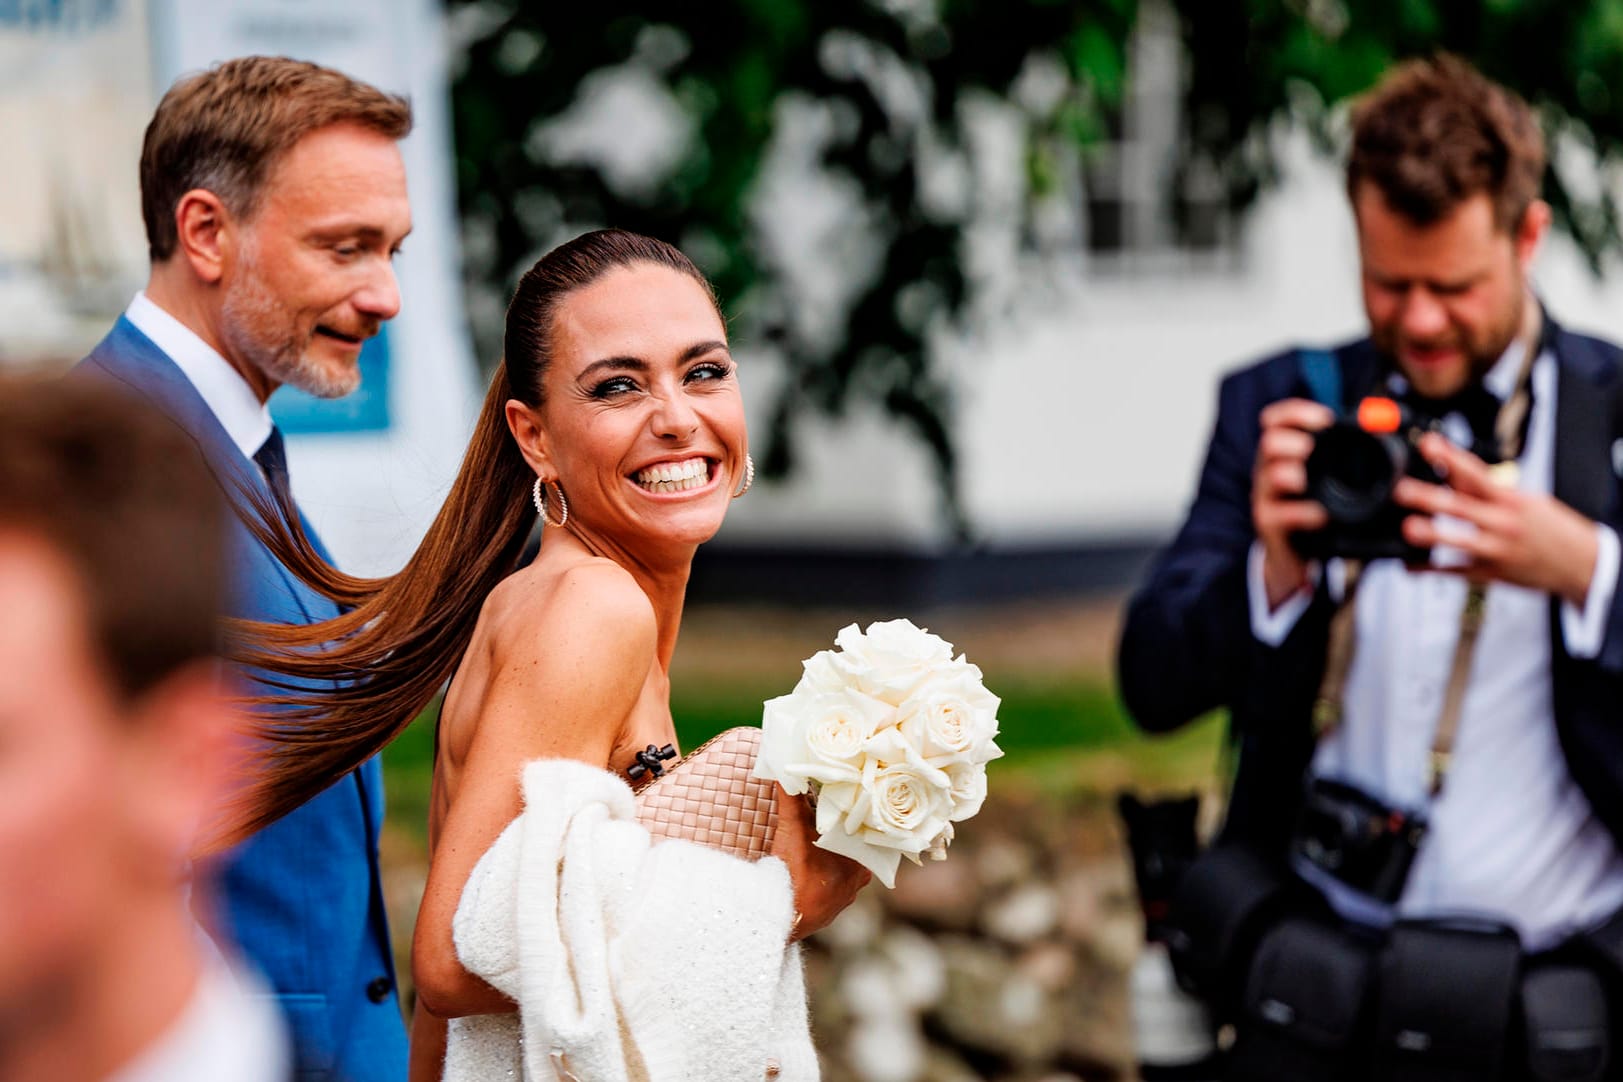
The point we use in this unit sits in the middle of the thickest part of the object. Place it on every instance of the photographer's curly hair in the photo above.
(1436, 132)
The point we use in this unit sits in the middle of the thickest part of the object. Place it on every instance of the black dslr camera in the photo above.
(1366, 844)
(1351, 471)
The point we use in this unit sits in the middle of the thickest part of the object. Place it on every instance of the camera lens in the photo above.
(1351, 471)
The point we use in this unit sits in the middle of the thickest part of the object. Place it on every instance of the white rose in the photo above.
(891, 659)
(817, 736)
(890, 746)
(892, 733)
(820, 673)
(893, 811)
(952, 717)
(968, 790)
(832, 835)
(840, 726)
(903, 801)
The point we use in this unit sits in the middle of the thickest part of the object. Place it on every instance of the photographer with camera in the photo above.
(1399, 575)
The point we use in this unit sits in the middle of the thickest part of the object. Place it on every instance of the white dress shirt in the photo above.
(230, 1029)
(1511, 836)
(240, 412)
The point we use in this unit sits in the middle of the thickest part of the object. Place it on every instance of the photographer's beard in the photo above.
(1443, 365)
(279, 340)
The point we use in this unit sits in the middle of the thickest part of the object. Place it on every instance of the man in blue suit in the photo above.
(274, 197)
(1417, 742)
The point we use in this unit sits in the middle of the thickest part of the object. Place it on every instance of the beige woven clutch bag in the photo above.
(710, 798)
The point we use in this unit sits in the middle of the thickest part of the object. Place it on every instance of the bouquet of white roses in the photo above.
(891, 735)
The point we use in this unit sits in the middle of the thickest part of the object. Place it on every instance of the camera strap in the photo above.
(1510, 430)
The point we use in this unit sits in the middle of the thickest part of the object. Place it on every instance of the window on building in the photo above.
(1147, 202)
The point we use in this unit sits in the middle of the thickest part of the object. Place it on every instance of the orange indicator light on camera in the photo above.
(1379, 415)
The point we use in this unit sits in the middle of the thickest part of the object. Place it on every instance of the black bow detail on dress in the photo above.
(648, 761)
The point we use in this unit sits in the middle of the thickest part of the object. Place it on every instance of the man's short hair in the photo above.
(121, 493)
(224, 129)
(1436, 132)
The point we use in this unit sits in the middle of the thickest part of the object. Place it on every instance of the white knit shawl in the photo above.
(630, 962)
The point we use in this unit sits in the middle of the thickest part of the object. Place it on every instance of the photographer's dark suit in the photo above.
(1191, 620)
(1188, 647)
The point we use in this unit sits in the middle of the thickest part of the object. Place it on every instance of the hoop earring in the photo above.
(749, 475)
(538, 496)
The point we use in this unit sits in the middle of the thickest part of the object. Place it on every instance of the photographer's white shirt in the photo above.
(1511, 836)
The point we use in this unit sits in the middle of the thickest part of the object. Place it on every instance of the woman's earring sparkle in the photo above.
(538, 496)
(749, 475)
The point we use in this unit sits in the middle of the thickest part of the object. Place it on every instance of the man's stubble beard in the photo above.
(1480, 356)
(1483, 358)
(256, 325)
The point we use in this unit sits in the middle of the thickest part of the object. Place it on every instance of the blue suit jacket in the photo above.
(302, 897)
(1191, 619)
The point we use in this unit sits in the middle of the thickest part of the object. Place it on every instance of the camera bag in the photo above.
(1361, 841)
(1225, 898)
(1306, 1001)
(1564, 1011)
(1604, 944)
(1446, 1001)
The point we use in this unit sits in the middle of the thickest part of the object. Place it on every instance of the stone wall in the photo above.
(1008, 961)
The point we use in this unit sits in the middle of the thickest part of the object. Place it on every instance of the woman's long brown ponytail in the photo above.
(338, 691)
(334, 693)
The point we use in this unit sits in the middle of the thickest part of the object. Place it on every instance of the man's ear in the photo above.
(205, 233)
(1530, 233)
(186, 743)
(524, 422)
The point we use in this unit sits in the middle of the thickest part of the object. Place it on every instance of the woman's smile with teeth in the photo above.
(675, 476)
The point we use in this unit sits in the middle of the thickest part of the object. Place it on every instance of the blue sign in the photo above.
(69, 15)
(364, 410)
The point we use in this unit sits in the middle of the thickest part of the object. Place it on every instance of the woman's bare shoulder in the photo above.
(568, 608)
(565, 650)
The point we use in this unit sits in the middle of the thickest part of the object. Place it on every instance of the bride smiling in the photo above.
(616, 415)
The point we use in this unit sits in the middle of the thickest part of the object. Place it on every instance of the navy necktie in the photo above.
(272, 458)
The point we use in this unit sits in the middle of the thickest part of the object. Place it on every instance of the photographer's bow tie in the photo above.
(1478, 405)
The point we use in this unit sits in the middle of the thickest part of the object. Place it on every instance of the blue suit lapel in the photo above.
(135, 361)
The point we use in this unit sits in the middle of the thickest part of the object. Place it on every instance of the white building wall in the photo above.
(1082, 417)
(1086, 418)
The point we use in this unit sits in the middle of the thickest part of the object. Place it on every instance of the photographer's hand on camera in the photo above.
(1278, 481)
(1506, 535)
